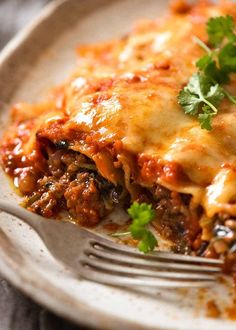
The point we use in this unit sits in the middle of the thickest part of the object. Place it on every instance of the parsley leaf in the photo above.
(201, 98)
(220, 27)
(212, 93)
(142, 215)
(208, 65)
(227, 58)
(204, 91)
(189, 99)
(147, 243)
(204, 62)
(205, 118)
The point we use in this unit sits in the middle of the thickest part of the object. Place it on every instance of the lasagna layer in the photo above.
(119, 117)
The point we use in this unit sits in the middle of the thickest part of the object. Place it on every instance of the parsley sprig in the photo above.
(200, 97)
(204, 91)
(142, 215)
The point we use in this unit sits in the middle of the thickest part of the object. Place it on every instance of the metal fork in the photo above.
(101, 260)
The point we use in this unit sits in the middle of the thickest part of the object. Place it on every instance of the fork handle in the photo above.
(33, 220)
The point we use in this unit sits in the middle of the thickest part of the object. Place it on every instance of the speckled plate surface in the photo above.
(40, 57)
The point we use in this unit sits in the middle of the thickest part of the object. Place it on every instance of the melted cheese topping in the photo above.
(126, 91)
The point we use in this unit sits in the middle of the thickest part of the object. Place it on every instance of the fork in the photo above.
(99, 259)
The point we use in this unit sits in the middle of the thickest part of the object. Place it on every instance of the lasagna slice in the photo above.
(114, 133)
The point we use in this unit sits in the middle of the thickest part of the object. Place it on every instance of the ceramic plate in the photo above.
(37, 59)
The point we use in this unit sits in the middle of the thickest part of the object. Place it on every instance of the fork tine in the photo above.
(156, 255)
(95, 274)
(128, 259)
(107, 266)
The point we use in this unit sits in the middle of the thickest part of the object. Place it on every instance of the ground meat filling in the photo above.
(174, 219)
(221, 240)
(71, 183)
(61, 179)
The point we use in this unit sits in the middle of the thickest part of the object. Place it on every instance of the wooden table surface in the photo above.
(17, 312)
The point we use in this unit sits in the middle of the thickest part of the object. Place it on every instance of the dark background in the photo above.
(17, 312)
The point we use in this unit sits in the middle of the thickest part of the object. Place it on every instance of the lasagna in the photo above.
(114, 133)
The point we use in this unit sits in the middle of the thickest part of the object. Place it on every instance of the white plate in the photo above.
(40, 57)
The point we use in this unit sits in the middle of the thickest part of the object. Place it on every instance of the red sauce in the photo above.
(212, 310)
(153, 168)
(111, 227)
(180, 6)
(231, 312)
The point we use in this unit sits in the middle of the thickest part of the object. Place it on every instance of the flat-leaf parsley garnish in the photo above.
(200, 97)
(204, 91)
(142, 215)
